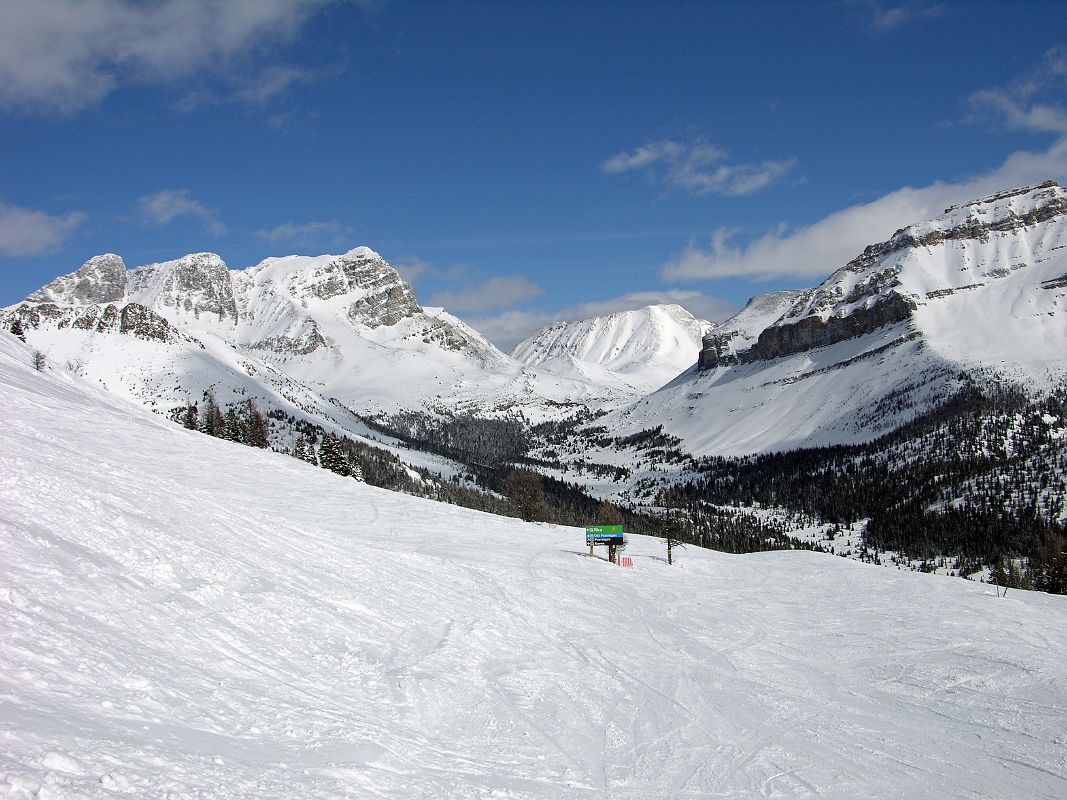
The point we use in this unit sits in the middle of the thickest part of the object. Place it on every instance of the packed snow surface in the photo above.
(181, 617)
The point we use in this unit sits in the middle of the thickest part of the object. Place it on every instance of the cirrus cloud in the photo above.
(303, 232)
(1033, 102)
(698, 168)
(170, 204)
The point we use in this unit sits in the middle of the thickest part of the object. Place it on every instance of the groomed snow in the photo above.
(181, 617)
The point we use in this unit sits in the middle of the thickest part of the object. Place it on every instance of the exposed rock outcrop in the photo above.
(131, 319)
(101, 279)
(198, 284)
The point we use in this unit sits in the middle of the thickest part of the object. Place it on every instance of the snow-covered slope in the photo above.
(309, 329)
(184, 617)
(977, 294)
(637, 351)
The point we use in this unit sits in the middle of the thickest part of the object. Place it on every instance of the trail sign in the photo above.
(603, 534)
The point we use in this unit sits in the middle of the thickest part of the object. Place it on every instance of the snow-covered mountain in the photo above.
(171, 632)
(298, 333)
(637, 351)
(978, 294)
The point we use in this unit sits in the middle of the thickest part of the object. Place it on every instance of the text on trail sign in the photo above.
(603, 534)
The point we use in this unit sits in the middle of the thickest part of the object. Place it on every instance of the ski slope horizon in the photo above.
(188, 617)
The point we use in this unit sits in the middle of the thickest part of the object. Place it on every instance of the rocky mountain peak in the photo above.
(379, 296)
(387, 298)
(198, 284)
(101, 279)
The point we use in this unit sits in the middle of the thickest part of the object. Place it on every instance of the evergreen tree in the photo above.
(255, 431)
(16, 329)
(331, 456)
(232, 427)
(212, 422)
(526, 491)
(309, 451)
(191, 418)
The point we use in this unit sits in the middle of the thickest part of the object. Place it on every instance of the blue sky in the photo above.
(519, 162)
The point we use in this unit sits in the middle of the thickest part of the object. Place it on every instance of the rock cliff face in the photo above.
(387, 298)
(728, 342)
(101, 279)
(813, 331)
(131, 319)
(382, 297)
(198, 284)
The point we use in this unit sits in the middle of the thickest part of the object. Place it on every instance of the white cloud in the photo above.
(27, 232)
(1033, 102)
(490, 295)
(820, 248)
(698, 168)
(303, 232)
(882, 18)
(169, 204)
(508, 328)
(63, 55)
(271, 82)
(412, 268)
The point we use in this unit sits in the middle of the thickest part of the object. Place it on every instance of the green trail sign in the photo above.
(603, 534)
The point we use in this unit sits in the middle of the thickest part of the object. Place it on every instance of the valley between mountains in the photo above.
(909, 410)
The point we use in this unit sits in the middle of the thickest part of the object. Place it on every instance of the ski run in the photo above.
(182, 617)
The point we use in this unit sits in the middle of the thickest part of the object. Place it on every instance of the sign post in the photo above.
(611, 535)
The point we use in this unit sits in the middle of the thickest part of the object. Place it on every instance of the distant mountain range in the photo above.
(911, 409)
(973, 301)
(314, 336)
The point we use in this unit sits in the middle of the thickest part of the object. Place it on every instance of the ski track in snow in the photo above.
(181, 617)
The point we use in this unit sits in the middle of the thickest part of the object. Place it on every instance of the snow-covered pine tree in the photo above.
(232, 428)
(331, 456)
(211, 421)
(191, 418)
(16, 329)
(310, 454)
